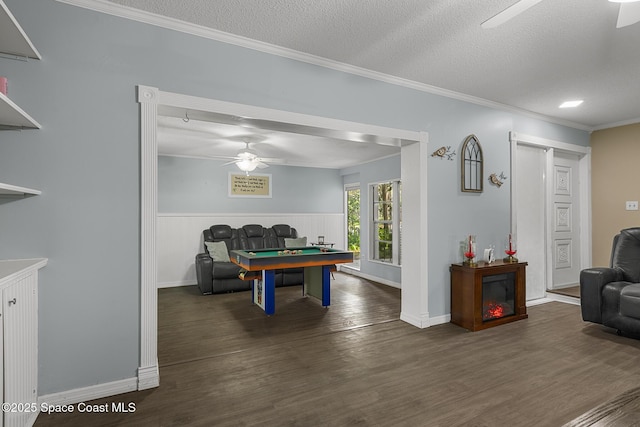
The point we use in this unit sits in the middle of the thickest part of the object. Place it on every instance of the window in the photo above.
(386, 222)
(352, 207)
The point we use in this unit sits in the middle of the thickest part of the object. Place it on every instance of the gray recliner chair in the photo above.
(611, 295)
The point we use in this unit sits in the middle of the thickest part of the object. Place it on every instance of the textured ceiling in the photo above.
(553, 52)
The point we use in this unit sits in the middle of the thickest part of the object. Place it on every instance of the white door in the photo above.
(530, 216)
(565, 232)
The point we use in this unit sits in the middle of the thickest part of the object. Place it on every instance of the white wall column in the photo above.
(415, 289)
(148, 374)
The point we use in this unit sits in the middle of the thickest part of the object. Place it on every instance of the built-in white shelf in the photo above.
(13, 39)
(10, 269)
(14, 117)
(14, 42)
(7, 190)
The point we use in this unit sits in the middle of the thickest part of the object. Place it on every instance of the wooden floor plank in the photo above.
(224, 363)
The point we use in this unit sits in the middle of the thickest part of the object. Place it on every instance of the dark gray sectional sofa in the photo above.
(216, 274)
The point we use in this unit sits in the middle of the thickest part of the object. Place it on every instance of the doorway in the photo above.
(550, 211)
(565, 221)
(414, 156)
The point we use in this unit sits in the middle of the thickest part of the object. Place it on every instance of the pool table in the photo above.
(317, 263)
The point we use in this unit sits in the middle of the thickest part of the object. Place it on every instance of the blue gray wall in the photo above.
(86, 161)
(187, 185)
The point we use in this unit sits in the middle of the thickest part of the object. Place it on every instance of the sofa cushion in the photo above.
(220, 232)
(253, 230)
(218, 251)
(626, 256)
(630, 301)
(225, 270)
(295, 243)
(282, 230)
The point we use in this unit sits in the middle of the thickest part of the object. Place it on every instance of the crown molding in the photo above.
(617, 124)
(130, 13)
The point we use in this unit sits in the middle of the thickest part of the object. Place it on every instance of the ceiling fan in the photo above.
(248, 160)
(628, 14)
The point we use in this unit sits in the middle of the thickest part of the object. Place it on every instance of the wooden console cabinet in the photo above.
(469, 308)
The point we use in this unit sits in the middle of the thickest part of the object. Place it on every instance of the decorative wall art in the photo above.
(444, 153)
(497, 180)
(254, 185)
(472, 165)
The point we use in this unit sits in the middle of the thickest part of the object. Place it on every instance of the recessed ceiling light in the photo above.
(571, 104)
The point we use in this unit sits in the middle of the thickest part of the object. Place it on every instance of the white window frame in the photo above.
(396, 220)
(347, 188)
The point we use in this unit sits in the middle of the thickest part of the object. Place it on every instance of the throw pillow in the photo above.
(218, 251)
(295, 243)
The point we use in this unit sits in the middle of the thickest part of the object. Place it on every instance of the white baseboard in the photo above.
(440, 320)
(417, 321)
(358, 273)
(176, 284)
(85, 394)
(537, 301)
(148, 377)
(550, 297)
(425, 321)
(562, 298)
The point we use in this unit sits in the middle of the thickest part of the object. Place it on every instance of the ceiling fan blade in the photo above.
(509, 13)
(628, 14)
(270, 160)
(220, 157)
(262, 165)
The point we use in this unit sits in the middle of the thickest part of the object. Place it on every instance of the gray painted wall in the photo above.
(86, 162)
(187, 185)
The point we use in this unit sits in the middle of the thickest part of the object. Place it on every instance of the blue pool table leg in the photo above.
(326, 285)
(269, 280)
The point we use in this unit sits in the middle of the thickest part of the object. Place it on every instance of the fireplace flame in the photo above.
(493, 310)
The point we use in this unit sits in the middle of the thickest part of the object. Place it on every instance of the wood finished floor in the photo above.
(224, 363)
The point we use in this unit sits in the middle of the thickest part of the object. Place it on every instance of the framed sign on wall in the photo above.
(254, 185)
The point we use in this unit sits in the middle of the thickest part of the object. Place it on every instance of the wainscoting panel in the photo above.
(180, 237)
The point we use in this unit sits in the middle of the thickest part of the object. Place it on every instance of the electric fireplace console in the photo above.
(488, 295)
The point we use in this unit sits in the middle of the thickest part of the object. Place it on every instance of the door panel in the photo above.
(566, 221)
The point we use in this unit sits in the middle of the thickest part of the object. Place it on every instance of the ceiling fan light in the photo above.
(247, 165)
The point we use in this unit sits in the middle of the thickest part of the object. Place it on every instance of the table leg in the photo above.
(317, 283)
(326, 285)
(263, 292)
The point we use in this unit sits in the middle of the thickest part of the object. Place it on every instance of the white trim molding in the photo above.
(415, 258)
(152, 100)
(354, 272)
(148, 375)
(84, 394)
(584, 163)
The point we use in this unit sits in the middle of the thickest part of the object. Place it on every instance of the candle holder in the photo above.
(510, 250)
(470, 252)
